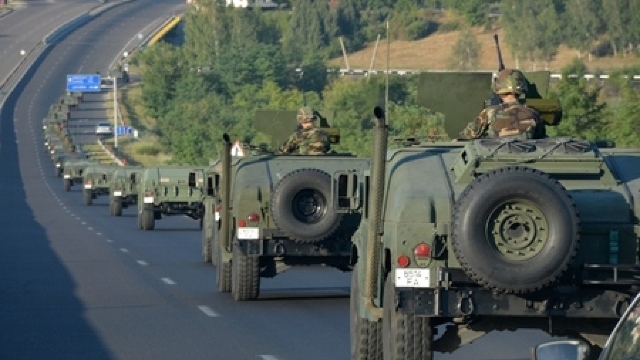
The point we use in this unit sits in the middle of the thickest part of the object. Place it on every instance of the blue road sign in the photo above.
(83, 83)
(124, 130)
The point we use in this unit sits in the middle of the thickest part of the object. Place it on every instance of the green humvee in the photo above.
(73, 171)
(96, 181)
(275, 210)
(60, 159)
(489, 234)
(124, 188)
(168, 191)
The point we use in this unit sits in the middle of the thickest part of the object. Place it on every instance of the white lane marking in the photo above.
(109, 240)
(82, 222)
(90, 228)
(268, 357)
(124, 250)
(142, 262)
(168, 281)
(208, 311)
(99, 234)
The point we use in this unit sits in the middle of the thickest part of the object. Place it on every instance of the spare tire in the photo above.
(515, 229)
(300, 206)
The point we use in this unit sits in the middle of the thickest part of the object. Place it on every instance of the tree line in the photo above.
(250, 56)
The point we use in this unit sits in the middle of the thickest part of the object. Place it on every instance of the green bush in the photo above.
(450, 26)
(148, 149)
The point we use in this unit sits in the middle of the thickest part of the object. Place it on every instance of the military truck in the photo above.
(124, 189)
(276, 210)
(73, 171)
(61, 158)
(169, 191)
(491, 234)
(96, 181)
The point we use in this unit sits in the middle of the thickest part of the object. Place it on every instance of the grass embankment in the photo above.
(145, 150)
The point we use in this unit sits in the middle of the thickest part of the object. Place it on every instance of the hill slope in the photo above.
(433, 52)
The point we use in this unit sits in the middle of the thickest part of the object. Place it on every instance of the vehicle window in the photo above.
(626, 343)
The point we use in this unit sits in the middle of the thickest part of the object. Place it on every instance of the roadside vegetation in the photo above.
(235, 61)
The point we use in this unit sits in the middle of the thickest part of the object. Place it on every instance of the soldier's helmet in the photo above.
(510, 81)
(306, 114)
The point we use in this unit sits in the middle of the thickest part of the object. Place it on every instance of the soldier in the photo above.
(307, 140)
(510, 118)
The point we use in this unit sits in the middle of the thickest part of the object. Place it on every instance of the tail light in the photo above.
(242, 223)
(403, 261)
(422, 251)
(253, 217)
(149, 193)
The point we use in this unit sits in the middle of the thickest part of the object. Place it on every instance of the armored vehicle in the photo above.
(124, 189)
(490, 234)
(61, 158)
(96, 180)
(168, 191)
(276, 210)
(73, 171)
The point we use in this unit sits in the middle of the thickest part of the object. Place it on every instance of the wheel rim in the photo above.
(518, 230)
(309, 206)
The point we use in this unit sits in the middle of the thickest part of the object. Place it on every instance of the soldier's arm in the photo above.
(477, 127)
(289, 145)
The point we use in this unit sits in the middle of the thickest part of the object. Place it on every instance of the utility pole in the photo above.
(115, 110)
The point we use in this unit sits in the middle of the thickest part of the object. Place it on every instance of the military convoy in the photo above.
(447, 240)
(169, 191)
(490, 234)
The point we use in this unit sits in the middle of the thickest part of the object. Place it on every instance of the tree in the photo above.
(583, 114)
(465, 54)
(583, 24)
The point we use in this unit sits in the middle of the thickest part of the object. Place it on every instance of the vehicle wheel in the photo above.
(532, 234)
(214, 247)
(245, 275)
(206, 239)
(300, 206)
(223, 273)
(139, 219)
(67, 184)
(366, 340)
(88, 197)
(116, 207)
(57, 171)
(148, 220)
(404, 336)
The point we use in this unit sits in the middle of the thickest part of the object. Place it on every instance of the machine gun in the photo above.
(495, 99)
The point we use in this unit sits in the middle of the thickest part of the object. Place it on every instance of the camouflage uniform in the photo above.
(510, 118)
(309, 141)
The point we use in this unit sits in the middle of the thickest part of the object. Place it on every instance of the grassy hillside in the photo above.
(433, 53)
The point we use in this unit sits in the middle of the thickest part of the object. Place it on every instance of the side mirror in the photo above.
(561, 350)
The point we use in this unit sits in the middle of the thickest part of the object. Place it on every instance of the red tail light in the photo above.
(218, 208)
(403, 261)
(253, 217)
(422, 251)
(242, 223)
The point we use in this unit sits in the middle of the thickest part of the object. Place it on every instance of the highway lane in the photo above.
(23, 28)
(79, 284)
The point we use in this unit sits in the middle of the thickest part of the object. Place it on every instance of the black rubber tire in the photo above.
(67, 184)
(214, 246)
(147, 221)
(87, 197)
(57, 171)
(223, 274)
(206, 239)
(404, 336)
(489, 199)
(115, 205)
(314, 186)
(366, 336)
(245, 275)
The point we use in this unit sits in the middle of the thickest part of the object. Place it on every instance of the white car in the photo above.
(623, 344)
(104, 128)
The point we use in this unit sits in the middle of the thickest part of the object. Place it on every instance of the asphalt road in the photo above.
(76, 283)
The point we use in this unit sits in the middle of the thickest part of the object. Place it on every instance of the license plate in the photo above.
(217, 216)
(148, 200)
(67, 176)
(249, 233)
(413, 278)
(117, 193)
(88, 186)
